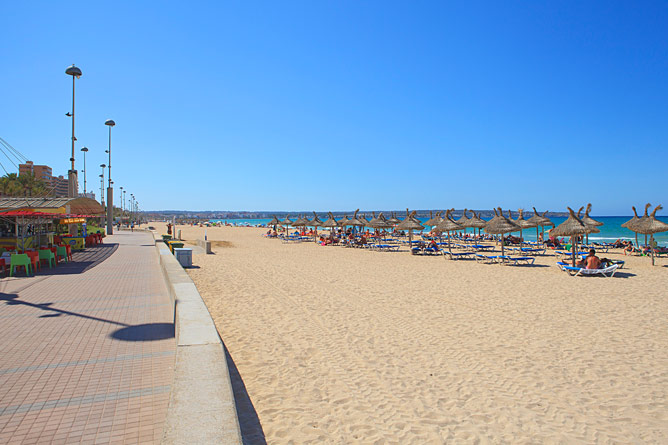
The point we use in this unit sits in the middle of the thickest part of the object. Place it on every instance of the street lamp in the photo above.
(73, 186)
(85, 150)
(110, 191)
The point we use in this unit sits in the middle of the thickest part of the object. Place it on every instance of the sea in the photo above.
(611, 229)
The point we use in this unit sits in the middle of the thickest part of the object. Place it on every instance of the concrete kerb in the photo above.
(201, 406)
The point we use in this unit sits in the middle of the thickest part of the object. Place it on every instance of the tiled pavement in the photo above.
(87, 349)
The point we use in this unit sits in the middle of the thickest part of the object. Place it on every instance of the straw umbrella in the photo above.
(590, 222)
(274, 222)
(540, 220)
(649, 226)
(331, 223)
(315, 222)
(447, 225)
(380, 222)
(355, 221)
(571, 227)
(286, 222)
(477, 222)
(410, 224)
(300, 222)
(632, 221)
(463, 221)
(644, 217)
(523, 224)
(433, 220)
(500, 225)
(393, 219)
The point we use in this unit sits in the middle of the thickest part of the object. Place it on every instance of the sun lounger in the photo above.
(387, 247)
(608, 272)
(457, 255)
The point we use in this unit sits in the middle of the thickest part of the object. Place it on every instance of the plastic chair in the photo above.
(61, 251)
(34, 259)
(20, 260)
(55, 253)
(69, 252)
(3, 265)
(46, 254)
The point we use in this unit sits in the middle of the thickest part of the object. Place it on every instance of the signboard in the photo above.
(76, 242)
(72, 220)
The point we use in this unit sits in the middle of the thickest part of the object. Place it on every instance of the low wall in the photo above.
(201, 405)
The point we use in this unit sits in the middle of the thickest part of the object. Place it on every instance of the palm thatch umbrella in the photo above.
(500, 225)
(448, 225)
(649, 225)
(632, 221)
(393, 219)
(433, 220)
(540, 220)
(463, 220)
(572, 227)
(380, 222)
(523, 224)
(477, 222)
(410, 224)
(331, 223)
(365, 222)
(274, 222)
(590, 222)
(355, 221)
(315, 222)
(343, 222)
(286, 222)
(300, 222)
(645, 216)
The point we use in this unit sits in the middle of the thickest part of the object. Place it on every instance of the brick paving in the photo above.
(87, 349)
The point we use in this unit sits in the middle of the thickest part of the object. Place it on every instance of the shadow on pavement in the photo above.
(145, 332)
(81, 261)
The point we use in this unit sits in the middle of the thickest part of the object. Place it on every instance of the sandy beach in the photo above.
(342, 345)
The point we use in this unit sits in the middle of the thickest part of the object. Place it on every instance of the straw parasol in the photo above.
(632, 221)
(286, 222)
(590, 222)
(500, 225)
(315, 222)
(433, 220)
(410, 224)
(523, 223)
(380, 222)
(343, 222)
(540, 220)
(393, 219)
(274, 222)
(331, 223)
(355, 221)
(649, 225)
(477, 222)
(448, 225)
(572, 227)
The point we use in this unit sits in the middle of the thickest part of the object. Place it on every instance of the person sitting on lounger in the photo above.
(433, 245)
(592, 261)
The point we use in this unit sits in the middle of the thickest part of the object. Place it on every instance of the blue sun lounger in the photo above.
(457, 255)
(608, 272)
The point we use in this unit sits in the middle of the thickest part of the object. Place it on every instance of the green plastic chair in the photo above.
(46, 254)
(62, 252)
(20, 259)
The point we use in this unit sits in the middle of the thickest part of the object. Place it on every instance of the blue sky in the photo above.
(339, 105)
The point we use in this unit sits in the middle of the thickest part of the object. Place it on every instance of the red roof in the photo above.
(32, 214)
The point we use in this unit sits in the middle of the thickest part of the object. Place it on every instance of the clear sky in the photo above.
(246, 105)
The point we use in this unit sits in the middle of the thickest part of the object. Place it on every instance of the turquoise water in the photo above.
(610, 230)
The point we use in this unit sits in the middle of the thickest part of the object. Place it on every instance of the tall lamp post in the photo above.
(73, 185)
(85, 150)
(121, 198)
(110, 191)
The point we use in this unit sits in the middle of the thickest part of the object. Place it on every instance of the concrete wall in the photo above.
(201, 406)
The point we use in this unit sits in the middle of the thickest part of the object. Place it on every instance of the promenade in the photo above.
(87, 349)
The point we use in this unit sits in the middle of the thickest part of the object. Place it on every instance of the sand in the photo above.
(341, 345)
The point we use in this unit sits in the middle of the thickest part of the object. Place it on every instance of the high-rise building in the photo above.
(57, 185)
(60, 186)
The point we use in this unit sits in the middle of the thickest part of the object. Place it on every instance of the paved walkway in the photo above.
(87, 349)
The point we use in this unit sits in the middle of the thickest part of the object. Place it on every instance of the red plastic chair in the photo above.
(69, 251)
(3, 265)
(55, 253)
(34, 259)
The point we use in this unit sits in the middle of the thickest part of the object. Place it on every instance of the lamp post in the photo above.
(126, 209)
(110, 191)
(73, 186)
(85, 150)
(121, 198)
(103, 166)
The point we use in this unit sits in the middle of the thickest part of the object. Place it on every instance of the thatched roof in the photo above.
(540, 220)
(500, 224)
(523, 223)
(447, 224)
(364, 220)
(287, 221)
(330, 222)
(354, 221)
(380, 222)
(393, 219)
(649, 225)
(274, 221)
(433, 220)
(79, 206)
(300, 222)
(410, 223)
(572, 226)
(633, 220)
(464, 220)
(343, 221)
(476, 221)
(588, 220)
(315, 222)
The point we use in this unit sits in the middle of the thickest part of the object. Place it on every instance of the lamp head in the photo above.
(73, 71)
(103, 165)
(110, 122)
(85, 149)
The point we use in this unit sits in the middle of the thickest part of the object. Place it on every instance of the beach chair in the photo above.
(61, 252)
(20, 260)
(608, 272)
(34, 259)
(457, 255)
(519, 261)
(486, 259)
